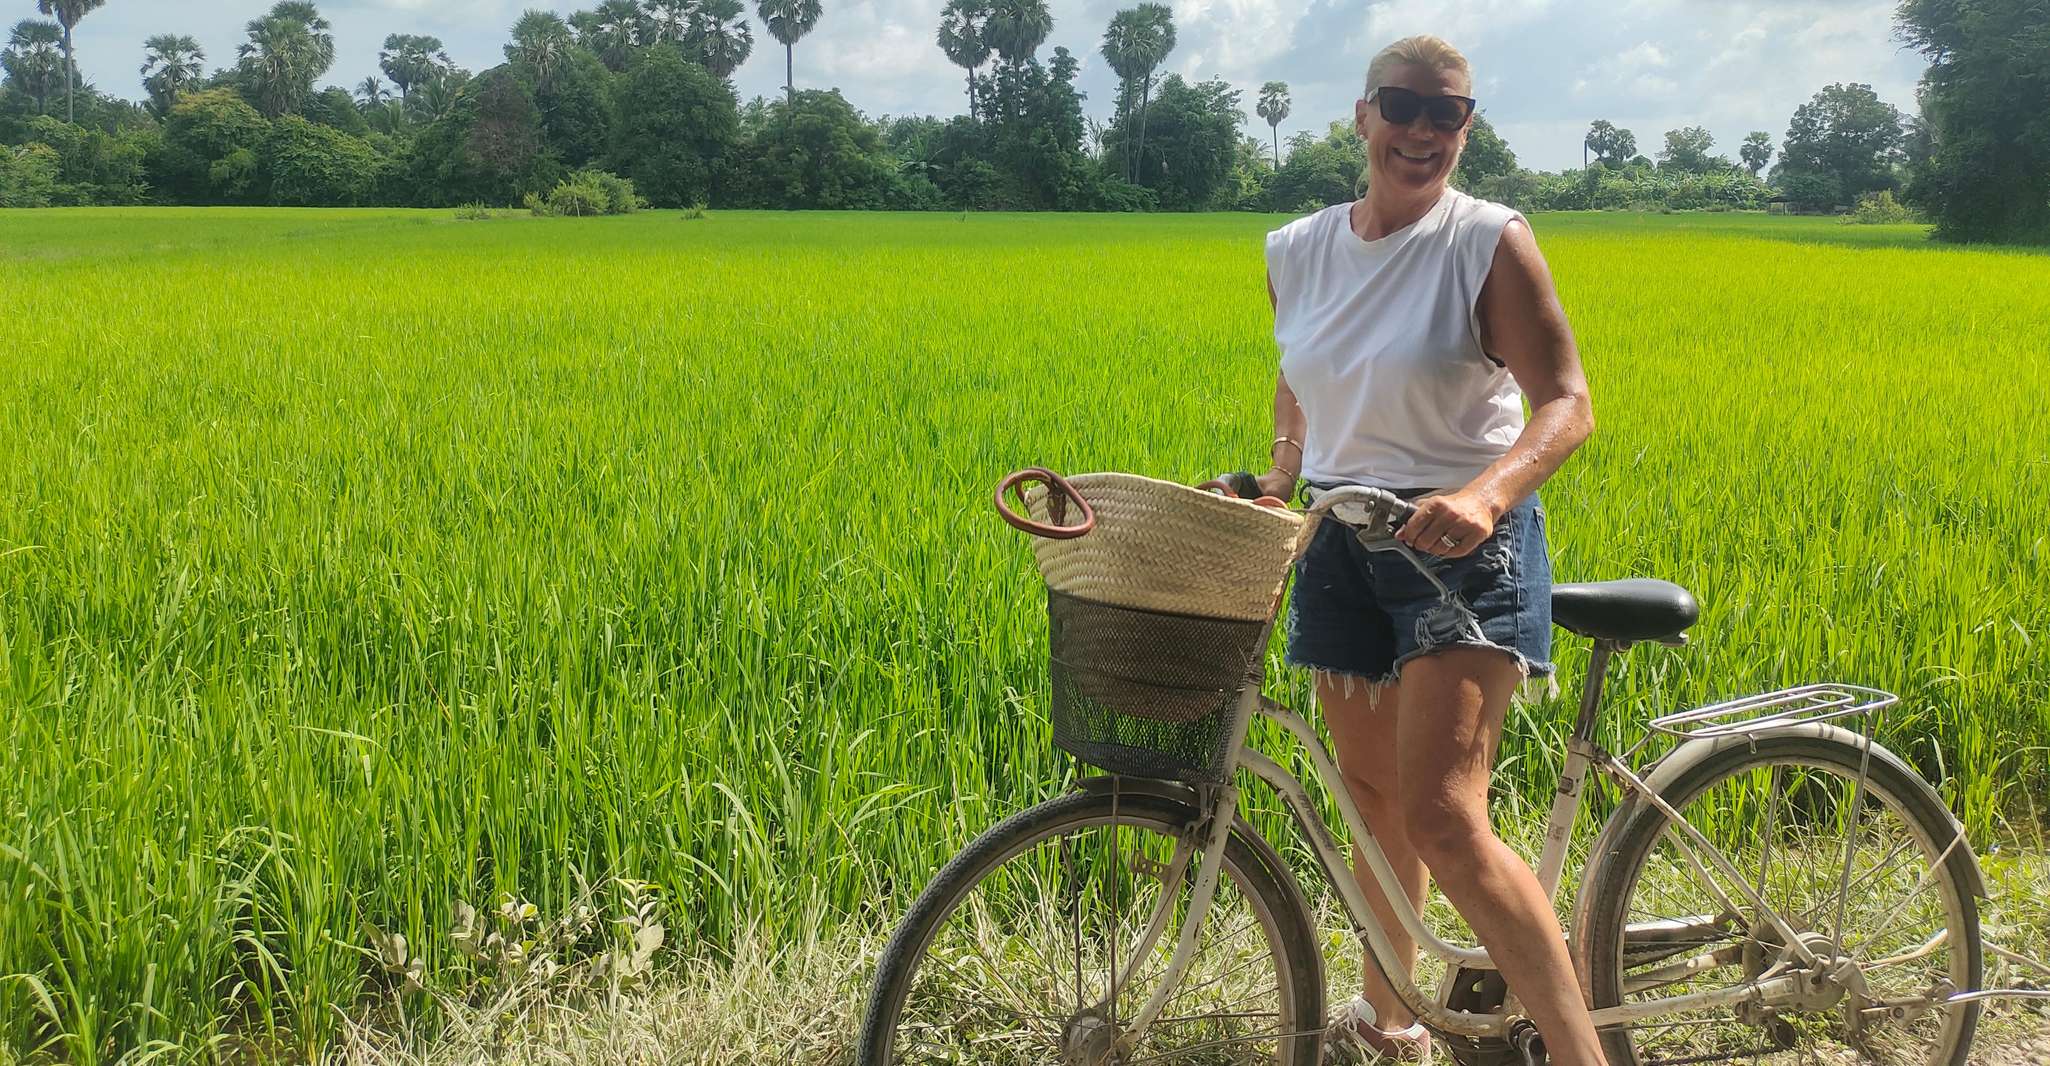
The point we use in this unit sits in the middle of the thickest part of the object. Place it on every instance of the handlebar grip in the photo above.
(1237, 483)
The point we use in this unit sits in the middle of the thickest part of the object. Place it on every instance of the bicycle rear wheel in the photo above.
(1006, 958)
(1901, 931)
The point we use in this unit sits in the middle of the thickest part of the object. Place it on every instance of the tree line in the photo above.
(642, 89)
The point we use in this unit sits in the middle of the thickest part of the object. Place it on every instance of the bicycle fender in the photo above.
(1689, 754)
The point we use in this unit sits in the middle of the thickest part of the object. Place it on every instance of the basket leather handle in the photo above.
(1060, 492)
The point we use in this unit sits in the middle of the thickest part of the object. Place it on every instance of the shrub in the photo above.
(694, 211)
(28, 175)
(1879, 209)
(587, 193)
(474, 212)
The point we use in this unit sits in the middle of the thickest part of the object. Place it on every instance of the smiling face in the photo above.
(1418, 157)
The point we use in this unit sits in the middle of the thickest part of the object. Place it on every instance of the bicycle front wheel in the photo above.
(1039, 943)
(1895, 936)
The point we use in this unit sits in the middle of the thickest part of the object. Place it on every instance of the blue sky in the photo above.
(1543, 68)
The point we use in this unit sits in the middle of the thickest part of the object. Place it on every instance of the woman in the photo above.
(1413, 323)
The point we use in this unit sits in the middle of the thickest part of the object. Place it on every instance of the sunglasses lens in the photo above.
(1447, 112)
(1399, 106)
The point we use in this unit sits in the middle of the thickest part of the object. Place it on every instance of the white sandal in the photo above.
(1354, 1038)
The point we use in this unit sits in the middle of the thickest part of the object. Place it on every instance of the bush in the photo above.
(28, 175)
(1880, 209)
(587, 193)
(474, 212)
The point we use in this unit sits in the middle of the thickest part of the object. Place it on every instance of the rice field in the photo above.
(358, 564)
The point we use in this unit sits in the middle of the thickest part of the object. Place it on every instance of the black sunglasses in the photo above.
(1401, 106)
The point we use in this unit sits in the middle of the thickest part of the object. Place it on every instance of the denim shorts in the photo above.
(1360, 613)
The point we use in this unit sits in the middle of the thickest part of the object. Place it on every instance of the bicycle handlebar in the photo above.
(1362, 506)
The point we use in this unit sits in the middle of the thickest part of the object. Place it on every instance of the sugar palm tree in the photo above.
(612, 30)
(287, 50)
(410, 59)
(789, 21)
(669, 20)
(1273, 107)
(34, 60)
(1156, 40)
(720, 36)
(371, 93)
(1016, 29)
(171, 64)
(1124, 48)
(541, 40)
(68, 13)
(962, 38)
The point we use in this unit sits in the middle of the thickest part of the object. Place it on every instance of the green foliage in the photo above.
(1634, 188)
(488, 147)
(575, 100)
(311, 165)
(287, 51)
(821, 153)
(94, 167)
(1486, 156)
(1880, 209)
(335, 108)
(1847, 135)
(1612, 147)
(1687, 151)
(1987, 172)
(1190, 135)
(1757, 148)
(28, 175)
(677, 124)
(1319, 171)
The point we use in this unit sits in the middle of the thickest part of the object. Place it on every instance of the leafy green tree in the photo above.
(28, 175)
(676, 126)
(1195, 131)
(789, 21)
(1486, 156)
(334, 108)
(962, 38)
(211, 148)
(576, 108)
(819, 153)
(1757, 148)
(68, 13)
(1687, 150)
(94, 167)
(1612, 146)
(1847, 134)
(541, 41)
(288, 49)
(1320, 171)
(433, 98)
(171, 64)
(1273, 109)
(410, 59)
(718, 36)
(487, 148)
(312, 165)
(34, 61)
(1986, 176)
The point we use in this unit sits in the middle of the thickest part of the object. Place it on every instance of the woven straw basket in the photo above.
(1160, 546)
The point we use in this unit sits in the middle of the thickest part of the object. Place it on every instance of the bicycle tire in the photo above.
(1249, 863)
(1622, 864)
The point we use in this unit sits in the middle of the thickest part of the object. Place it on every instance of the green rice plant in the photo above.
(567, 554)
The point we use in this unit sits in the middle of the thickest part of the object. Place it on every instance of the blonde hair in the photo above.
(1423, 50)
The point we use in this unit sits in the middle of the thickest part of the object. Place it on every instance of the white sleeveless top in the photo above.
(1380, 341)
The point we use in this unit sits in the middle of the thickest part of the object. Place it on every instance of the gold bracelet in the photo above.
(1286, 440)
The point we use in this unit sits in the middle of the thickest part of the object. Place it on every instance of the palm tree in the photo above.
(1123, 48)
(410, 59)
(34, 59)
(720, 36)
(1016, 29)
(287, 49)
(541, 40)
(436, 95)
(1156, 40)
(319, 34)
(789, 21)
(669, 20)
(371, 93)
(171, 64)
(67, 13)
(612, 31)
(1273, 107)
(962, 38)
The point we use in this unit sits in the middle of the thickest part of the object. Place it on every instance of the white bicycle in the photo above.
(1775, 888)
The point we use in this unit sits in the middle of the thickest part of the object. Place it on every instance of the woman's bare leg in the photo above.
(1362, 720)
(1453, 703)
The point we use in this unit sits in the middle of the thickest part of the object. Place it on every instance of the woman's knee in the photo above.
(1448, 833)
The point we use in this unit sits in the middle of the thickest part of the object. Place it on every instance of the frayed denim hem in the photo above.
(1348, 680)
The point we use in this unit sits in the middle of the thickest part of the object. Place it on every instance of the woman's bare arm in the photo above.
(1289, 422)
(1522, 325)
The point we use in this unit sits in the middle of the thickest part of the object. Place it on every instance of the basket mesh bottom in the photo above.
(1148, 693)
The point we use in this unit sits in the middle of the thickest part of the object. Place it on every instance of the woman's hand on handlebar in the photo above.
(1278, 483)
(1449, 526)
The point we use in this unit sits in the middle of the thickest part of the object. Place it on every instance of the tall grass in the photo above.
(354, 563)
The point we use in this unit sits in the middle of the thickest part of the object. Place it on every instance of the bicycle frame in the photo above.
(1583, 755)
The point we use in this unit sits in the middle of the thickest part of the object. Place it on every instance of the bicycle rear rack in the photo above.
(1787, 706)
